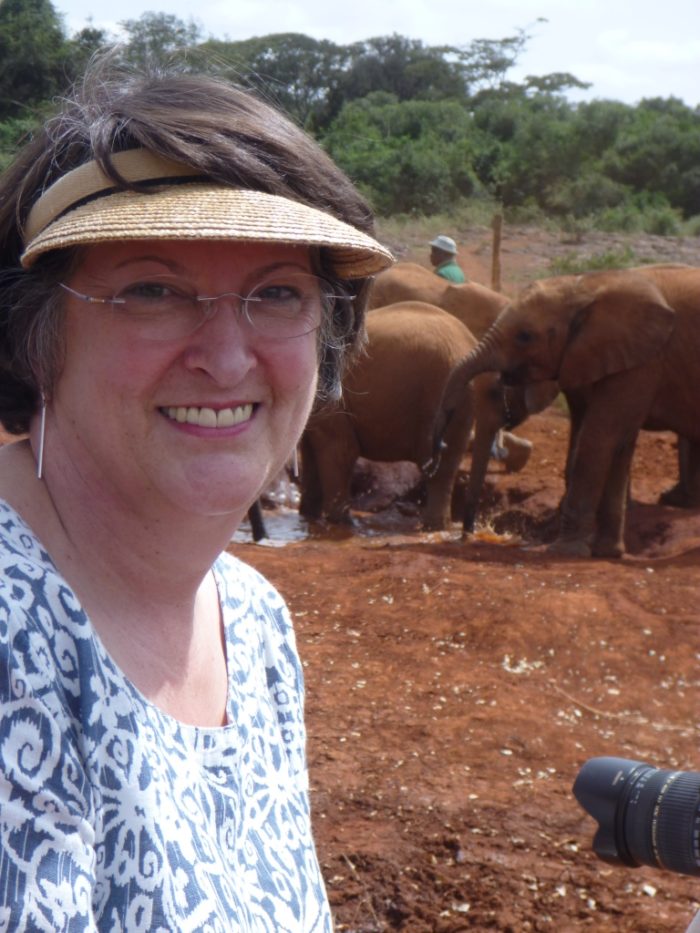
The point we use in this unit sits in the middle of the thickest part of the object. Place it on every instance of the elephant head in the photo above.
(574, 330)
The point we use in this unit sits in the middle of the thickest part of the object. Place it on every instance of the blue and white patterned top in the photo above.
(115, 816)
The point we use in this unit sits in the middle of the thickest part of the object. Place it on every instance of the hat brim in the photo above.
(206, 211)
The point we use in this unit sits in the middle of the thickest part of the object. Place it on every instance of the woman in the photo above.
(183, 275)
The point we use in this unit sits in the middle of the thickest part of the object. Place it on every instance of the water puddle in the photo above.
(390, 526)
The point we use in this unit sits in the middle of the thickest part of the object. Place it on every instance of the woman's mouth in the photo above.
(209, 417)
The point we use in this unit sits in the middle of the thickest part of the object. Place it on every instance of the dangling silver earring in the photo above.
(295, 463)
(42, 435)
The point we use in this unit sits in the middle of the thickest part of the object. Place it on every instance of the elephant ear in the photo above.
(624, 324)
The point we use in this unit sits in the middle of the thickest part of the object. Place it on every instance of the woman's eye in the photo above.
(148, 291)
(277, 293)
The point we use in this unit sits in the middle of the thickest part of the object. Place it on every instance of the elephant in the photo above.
(685, 494)
(474, 305)
(257, 521)
(390, 397)
(623, 346)
(477, 307)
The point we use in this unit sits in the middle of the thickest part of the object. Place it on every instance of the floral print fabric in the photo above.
(115, 816)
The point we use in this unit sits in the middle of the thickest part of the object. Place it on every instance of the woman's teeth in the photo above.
(208, 417)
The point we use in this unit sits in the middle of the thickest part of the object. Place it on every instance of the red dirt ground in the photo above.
(455, 688)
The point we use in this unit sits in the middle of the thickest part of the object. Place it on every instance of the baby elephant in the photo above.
(623, 346)
(390, 399)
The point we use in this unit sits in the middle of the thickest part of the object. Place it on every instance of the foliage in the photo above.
(403, 67)
(658, 151)
(157, 37)
(641, 213)
(84, 44)
(12, 132)
(297, 73)
(388, 148)
(33, 55)
(420, 128)
(575, 263)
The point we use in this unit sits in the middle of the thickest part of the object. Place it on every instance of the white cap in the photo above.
(445, 243)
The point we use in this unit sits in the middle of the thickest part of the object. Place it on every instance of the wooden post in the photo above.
(497, 227)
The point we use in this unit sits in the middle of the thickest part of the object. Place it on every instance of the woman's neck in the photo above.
(145, 584)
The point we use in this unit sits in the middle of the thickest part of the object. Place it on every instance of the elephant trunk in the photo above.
(483, 358)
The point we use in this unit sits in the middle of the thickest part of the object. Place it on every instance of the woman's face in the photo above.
(132, 418)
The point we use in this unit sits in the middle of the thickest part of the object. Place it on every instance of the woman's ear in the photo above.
(624, 325)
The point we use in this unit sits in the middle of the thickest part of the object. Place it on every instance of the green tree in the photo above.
(157, 37)
(658, 151)
(12, 132)
(84, 44)
(404, 67)
(405, 155)
(295, 72)
(33, 55)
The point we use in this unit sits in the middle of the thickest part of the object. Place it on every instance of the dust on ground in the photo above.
(455, 687)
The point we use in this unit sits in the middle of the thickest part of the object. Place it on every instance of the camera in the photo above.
(645, 815)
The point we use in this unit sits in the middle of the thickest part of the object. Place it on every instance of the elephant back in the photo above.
(397, 384)
(475, 305)
(406, 281)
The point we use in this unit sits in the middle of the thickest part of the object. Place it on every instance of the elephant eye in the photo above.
(523, 337)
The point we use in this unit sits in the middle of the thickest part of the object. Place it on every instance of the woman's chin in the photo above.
(213, 493)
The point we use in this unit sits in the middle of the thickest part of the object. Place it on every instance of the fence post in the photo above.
(497, 227)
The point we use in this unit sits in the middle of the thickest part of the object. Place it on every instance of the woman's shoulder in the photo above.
(18, 543)
(242, 583)
(255, 613)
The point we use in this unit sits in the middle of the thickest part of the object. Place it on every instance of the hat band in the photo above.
(89, 181)
(174, 201)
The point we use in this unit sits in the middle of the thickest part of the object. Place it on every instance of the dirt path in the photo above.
(454, 689)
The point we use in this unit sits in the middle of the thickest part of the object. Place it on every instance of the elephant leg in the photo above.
(691, 476)
(485, 434)
(577, 410)
(334, 451)
(257, 522)
(685, 494)
(600, 454)
(489, 418)
(609, 538)
(437, 512)
(310, 502)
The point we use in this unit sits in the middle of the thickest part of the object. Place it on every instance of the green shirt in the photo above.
(451, 271)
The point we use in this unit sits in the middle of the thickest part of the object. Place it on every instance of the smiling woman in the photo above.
(183, 274)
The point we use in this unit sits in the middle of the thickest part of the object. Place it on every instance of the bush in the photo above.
(405, 156)
(575, 263)
(12, 133)
(691, 227)
(641, 214)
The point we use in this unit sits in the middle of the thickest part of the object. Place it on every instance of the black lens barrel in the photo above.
(646, 815)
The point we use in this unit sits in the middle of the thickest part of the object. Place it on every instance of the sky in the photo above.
(653, 51)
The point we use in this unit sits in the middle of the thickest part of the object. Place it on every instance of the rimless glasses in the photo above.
(165, 308)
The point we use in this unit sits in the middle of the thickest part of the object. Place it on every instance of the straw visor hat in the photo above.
(84, 206)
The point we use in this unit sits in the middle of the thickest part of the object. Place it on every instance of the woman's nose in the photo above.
(224, 343)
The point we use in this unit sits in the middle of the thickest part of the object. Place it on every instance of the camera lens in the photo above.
(645, 815)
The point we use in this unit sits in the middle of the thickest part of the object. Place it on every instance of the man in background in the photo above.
(443, 256)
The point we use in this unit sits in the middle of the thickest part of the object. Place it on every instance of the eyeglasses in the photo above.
(284, 305)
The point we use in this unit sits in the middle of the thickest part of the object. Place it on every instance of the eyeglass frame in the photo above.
(210, 308)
